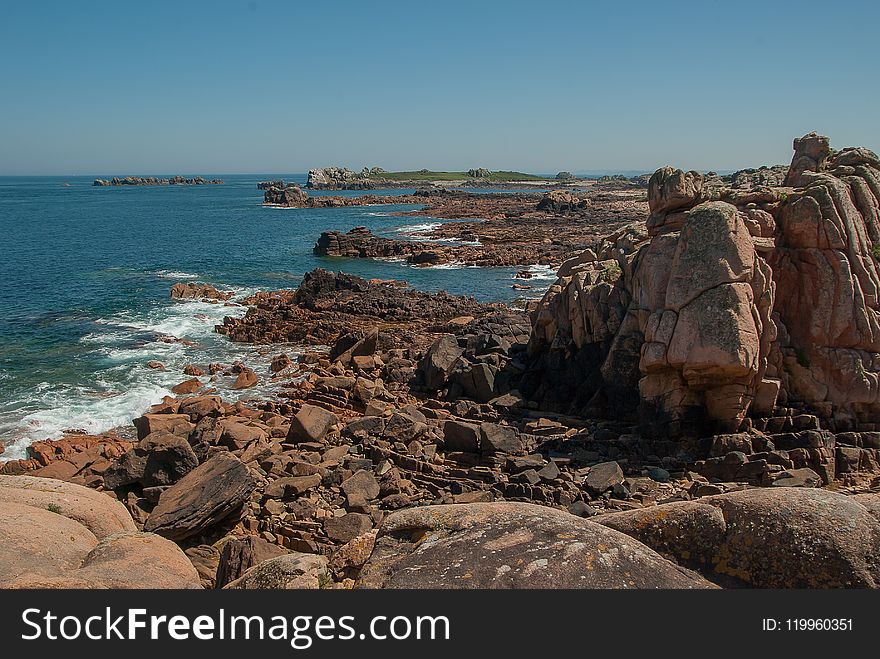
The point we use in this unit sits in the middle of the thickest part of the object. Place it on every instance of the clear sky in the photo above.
(270, 86)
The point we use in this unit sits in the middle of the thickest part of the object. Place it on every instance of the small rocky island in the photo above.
(371, 178)
(152, 180)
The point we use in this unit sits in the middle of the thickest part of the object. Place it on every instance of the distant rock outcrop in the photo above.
(342, 178)
(152, 180)
(741, 298)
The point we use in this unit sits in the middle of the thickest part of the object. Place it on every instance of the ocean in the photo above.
(85, 274)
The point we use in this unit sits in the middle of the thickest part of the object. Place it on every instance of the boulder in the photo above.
(205, 559)
(176, 424)
(191, 291)
(187, 387)
(512, 545)
(495, 438)
(245, 379)
(439, 362)
(603, 476)
(198, 407)
(280, 362)
(241, 554)
(207, 495)
(804, 477)
(347, 527)
(461, 436)
(310, 424)
(362, 483)
(61, 535)
(766, 538)
(237, 435)
(101, 514)
(158, 459)
(291, 571)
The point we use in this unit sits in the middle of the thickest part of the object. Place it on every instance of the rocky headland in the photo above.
(152, 180)
(372, 178)
(693, 404)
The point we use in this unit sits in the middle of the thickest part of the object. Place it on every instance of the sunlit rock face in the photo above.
(737, 297)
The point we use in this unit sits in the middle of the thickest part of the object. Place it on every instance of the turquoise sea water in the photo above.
(85, 274)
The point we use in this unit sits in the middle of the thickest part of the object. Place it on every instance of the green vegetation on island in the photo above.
(428, 175)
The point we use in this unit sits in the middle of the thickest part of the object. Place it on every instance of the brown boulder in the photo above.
(246, 378)
(310, 424)
(190, 291)
(766, 538)
(176, 424)
(207, 495)
(187, 387)
(289, 572)
(158, 459)
(241, 554)
(61, 535)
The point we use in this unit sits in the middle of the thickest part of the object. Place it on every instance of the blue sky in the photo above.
(271, 86)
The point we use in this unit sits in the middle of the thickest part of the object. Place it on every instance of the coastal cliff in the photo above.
(735, 301)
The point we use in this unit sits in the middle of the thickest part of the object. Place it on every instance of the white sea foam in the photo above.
(124, 387)
(540, 272)
(75, 408)
(451, 265)
(420, 228)
(175, 274)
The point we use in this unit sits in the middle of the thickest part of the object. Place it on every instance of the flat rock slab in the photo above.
(512, 545)
(205, 496)
(781, 537)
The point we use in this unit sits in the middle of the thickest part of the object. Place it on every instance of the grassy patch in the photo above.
(54, 508)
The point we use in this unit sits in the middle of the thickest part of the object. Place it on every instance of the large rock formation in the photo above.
(738, 300)
(61, 535)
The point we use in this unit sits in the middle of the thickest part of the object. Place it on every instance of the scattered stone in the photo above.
(603, 477)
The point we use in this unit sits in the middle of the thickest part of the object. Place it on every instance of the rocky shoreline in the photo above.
(693, 404)
(490, 230)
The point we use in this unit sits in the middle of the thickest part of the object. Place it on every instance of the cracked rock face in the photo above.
(739, 299)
